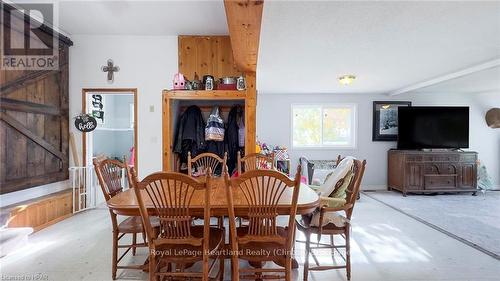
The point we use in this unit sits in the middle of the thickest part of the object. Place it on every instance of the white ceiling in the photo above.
(306, 45)
(143, 17)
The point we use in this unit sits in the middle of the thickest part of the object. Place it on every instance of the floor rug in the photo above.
(474, 220)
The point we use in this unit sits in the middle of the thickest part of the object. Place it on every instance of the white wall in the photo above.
(274, 126)
(146, 63)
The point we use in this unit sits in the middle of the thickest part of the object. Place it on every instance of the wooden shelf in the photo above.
(205, 95)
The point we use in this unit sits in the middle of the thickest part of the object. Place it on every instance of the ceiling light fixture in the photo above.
(347, 79)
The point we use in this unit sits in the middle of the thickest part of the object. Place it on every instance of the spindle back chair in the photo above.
(202, 162)
(358, 169)
(169, 195)
(263, 191)
(109, 175)
(255, 161)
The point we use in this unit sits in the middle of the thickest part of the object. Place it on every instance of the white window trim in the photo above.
(354, 116)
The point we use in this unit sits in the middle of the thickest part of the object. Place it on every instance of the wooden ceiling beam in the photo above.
(244, 19)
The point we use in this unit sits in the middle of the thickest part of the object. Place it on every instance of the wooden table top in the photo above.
(125, 203)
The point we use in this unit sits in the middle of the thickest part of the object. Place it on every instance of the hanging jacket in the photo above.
(231, 138)
(189, 133)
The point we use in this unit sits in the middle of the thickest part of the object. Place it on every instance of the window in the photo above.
(330, 125)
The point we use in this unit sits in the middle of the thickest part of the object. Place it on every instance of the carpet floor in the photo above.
(474, 220)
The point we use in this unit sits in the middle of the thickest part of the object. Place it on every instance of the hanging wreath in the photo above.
(85, 123)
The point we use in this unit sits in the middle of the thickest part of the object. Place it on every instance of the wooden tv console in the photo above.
(432, 172)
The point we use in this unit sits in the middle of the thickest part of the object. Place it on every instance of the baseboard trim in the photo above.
(433, 226)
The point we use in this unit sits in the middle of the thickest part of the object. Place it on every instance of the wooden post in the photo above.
(250, 113)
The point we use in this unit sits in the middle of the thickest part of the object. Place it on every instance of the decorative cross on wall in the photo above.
(110, 69)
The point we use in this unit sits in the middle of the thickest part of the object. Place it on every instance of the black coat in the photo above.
(189, 133)
(231, 137)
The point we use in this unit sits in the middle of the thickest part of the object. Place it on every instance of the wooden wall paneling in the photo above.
(206, 55)
(187, 56)
(35, 123)
(224, 64)
(16, 142)
(41, 212)
(52, 124)
(64, 106)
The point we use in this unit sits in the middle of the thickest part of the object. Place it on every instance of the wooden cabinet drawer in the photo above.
(440, 181)
(414, 158)
(440, 169)
(468, 158)
(441, 158)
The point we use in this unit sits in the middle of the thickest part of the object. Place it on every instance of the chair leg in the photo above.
(205, 268)
(348, 253)
(288, 269)
(221, 268)
(114, 259)
(235, 275)
(306, 261)
(152, 269)
(134, 242)
(332, 242)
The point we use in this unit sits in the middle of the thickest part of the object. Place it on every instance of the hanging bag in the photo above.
(214, 130)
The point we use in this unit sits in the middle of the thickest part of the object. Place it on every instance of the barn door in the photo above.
(33, 126)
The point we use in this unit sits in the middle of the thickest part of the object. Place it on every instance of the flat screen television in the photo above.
(421, 127)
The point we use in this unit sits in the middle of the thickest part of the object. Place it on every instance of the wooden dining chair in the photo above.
(262, 239)
(109, 174)
(178, 242)
(203, 161)
(255, 161)
(304, 225)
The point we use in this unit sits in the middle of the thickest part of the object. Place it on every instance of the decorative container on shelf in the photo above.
(228, 87)
(179, 81)
(241, 84)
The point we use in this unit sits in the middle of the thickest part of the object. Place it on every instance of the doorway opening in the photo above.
(116, 134)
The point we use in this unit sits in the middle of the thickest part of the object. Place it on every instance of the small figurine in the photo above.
(179, 81)
(196, 83)
(209, 83)
(240, 83)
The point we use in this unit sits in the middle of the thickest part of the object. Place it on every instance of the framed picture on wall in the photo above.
(385, 119)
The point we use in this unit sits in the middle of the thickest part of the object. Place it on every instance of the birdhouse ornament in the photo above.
(179, 81)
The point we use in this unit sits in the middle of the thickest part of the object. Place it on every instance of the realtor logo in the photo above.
(28, 43)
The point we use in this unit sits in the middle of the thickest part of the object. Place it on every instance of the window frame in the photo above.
(354, 126)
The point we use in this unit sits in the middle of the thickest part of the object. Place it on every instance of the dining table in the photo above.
(125, 203)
